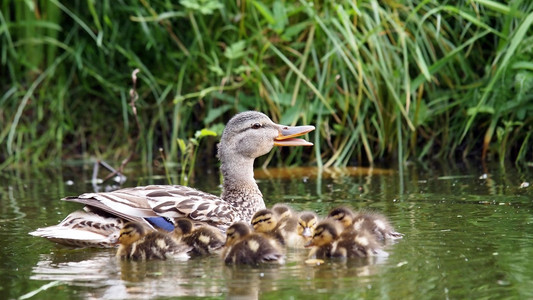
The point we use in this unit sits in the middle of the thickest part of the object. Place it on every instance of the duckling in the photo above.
(246, 247)
(138, 244)
(306, 223)
(283, 211)
(375, 223)
(323, 240)
(202, 238)
(265, 221)
(356, 243)
(343, 215)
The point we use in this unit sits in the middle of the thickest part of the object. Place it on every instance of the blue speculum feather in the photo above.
(161, 222)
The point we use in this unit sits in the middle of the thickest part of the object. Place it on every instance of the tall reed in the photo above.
(385, 81)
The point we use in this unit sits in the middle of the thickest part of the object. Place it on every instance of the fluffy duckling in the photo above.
(306, 223)
(377, 224)
(202, 238)
(356, 243)
(283, 211)
(343, 216)
(323, 240)
(374, 223)
(265, 221)
(138, 244)
(245, 247)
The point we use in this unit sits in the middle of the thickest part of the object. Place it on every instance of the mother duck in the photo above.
(247, 136)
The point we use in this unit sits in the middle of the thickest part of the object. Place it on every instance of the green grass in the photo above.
(384, 81)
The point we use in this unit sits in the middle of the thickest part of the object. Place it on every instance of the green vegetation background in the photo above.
(386, 81)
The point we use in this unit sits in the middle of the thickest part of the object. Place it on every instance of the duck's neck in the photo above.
(239, 187)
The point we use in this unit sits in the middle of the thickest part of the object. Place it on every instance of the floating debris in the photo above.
(314, 261)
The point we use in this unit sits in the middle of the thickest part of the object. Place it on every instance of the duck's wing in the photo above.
(179, 201)
(144, 204)
(128, 203)
(171, 201)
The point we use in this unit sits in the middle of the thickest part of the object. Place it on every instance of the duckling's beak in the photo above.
(309, 244)
(287, 134)
(307, 232)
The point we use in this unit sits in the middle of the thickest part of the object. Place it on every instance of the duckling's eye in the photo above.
(256, 126)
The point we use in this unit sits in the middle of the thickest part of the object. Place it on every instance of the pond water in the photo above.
(468, 234)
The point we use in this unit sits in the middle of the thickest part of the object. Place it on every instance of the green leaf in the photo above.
(481, 109)
(280, 17)
(294, 30)
(264, 11)
(235, 50)
(203, 133)
(182, 145)
(205, 7)
(216, 112)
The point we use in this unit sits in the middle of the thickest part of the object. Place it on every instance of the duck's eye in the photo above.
(256, 126)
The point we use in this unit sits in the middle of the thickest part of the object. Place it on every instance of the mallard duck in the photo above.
(136, 243)
(246, 247)
(247, 136)
(374, 223)
(323, 241)
(203, 239)
(265, 221)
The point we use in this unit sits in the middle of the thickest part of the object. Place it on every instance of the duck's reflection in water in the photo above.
(111, 278)
(99, 274)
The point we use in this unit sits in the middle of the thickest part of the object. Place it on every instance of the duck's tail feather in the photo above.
(83, 229)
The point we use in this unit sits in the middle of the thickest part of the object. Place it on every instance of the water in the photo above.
(467, 235)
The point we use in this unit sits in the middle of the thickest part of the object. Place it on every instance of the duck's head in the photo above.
(282, 211)
(236, 231)
(183, 226)
(130, 233)
(307, 222)
(264, 221)
(251, 134)
(343, 215)
(326, 232)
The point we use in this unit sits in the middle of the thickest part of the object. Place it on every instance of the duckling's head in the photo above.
(264, 221)
(326, 232)
(236, 231)
(130, 233)
(251, 134)
(343, 215)
(282, 211)
(307, 222)
(183, 226)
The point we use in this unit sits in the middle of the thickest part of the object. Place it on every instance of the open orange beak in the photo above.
(287, 135)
